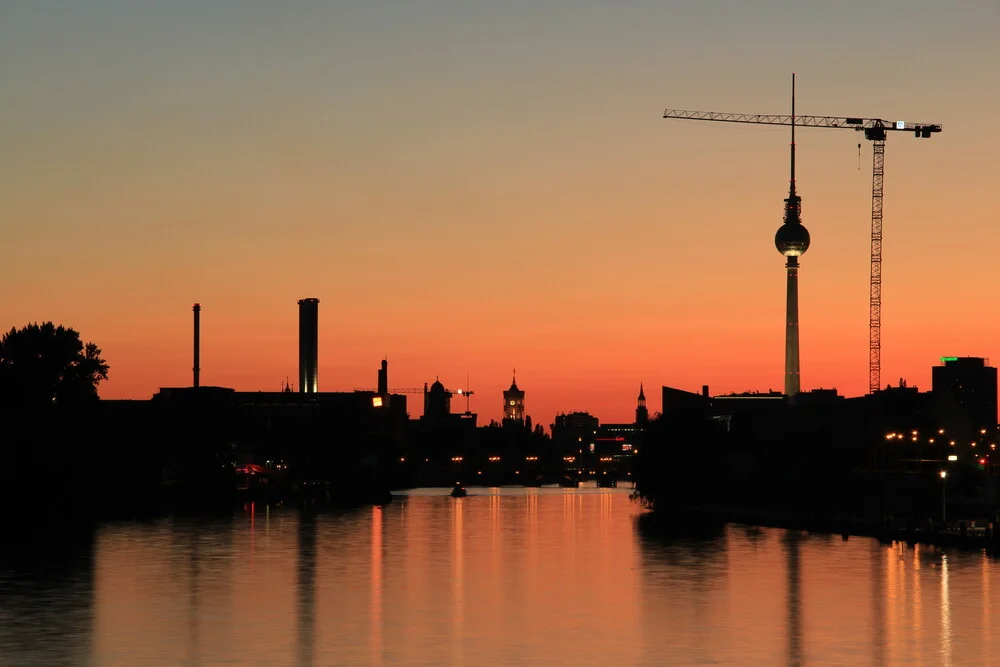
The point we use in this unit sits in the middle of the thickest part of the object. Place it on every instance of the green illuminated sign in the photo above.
(944, 359)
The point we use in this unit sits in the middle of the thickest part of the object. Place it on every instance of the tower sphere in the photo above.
(791, 239)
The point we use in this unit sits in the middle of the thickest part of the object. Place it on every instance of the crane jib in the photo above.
(843, 122)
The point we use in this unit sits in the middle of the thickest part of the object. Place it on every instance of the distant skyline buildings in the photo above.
(437, 398)
(970, 379)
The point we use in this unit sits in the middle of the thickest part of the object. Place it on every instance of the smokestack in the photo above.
(308, 345)
(383, 379)
(197, 342)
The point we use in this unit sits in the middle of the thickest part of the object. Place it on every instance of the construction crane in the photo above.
(875, 130)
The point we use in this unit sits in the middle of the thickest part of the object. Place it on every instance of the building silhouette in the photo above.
(513, 403)
(437, 402)
(621, 441)
(383, 378)
(575, 433)
(973, 383)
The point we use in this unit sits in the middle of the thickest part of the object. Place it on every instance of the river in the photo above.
(506, 576)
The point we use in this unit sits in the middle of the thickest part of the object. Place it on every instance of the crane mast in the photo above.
(875, 130)
(875, 284)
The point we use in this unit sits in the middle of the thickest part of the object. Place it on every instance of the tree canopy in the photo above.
(42, 364)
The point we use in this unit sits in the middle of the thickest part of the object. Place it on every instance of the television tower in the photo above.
(791, 240)
(876, 131)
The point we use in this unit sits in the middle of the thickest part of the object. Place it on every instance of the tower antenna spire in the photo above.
(791, 185)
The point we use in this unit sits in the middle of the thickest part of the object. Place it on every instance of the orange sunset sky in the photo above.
(474, 186)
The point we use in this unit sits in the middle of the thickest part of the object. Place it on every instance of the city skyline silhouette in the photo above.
(471, 190)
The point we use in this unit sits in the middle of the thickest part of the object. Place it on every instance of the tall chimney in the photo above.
(197, 342)
(308, 345)
(383, 379)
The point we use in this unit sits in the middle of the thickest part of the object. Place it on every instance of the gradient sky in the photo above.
(471, 186)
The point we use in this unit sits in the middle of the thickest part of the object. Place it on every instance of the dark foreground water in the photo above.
(502, 577)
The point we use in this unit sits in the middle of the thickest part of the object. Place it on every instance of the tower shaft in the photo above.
(792, 327)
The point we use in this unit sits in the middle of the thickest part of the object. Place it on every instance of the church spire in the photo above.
(641, 412)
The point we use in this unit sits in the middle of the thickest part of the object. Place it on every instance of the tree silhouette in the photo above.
(42, 365)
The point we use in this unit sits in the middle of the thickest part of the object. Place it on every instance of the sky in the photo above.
(473, 187)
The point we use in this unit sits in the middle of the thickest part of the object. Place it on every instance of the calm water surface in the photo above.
(502, 577)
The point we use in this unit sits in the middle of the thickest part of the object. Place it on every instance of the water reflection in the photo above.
(194, 598)
(684, 577)
(377, 558)
(945, 607)
(509, 576)
(458, 582)
(877, 594)
(793, 615)
(46, 597)
(305, 582)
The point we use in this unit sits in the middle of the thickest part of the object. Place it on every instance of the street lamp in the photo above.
(944, 505)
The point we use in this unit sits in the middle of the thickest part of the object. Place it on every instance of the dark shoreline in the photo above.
(706, 519)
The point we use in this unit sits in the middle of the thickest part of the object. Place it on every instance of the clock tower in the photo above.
(513, 403)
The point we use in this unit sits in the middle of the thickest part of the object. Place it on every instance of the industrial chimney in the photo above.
(197, 343)
(308, 345)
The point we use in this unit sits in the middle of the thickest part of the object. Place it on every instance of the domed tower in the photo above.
(641, 413)
(513, 403)
(437, 401)
(792, 240)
